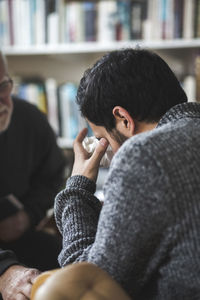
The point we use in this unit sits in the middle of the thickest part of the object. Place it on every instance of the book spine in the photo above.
(197, 19)
(107, 21)
(62, 21)
(197, 77)
(136, 19)
(90, 15)
(70, 119)
(52, 22)
(169, 19)
(63, 112)
(10, 18)
(188, 19)
(40, 22)
(123, 17)
(42, 100)
(189, 86)
(32, 13)
(52, 103)
(148, 23)
(178, 18)
(4, 23)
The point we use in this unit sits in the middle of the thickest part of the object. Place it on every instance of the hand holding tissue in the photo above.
(90, 143)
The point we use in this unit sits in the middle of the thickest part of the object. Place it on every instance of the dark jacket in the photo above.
(32, 165)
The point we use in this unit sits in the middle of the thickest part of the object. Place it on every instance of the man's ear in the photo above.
(124, 122)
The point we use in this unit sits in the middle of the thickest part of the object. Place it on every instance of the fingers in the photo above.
(86, 164)
(33, 274)
(26, 291)
(99, 152)
(82, 134)
(33, 279)
(78, 147)
(21, 297)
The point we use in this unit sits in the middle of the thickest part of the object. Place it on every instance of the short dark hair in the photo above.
(138, 80)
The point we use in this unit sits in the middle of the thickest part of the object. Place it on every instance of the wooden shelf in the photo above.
(97, 47)
(64, 143)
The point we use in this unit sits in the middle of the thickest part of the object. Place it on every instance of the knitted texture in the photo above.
(147, 234)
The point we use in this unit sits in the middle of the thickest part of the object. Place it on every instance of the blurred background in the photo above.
(50, 43)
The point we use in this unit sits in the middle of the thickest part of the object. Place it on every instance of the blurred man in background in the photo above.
(32, 172)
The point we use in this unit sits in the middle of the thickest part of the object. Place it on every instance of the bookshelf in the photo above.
(60, 43)
(67, 62)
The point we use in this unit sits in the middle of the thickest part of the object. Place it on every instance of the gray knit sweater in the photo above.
(147, 234)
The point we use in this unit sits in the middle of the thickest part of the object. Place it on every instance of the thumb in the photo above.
(99, 151)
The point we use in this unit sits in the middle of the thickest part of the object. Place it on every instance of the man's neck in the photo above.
(143, 126)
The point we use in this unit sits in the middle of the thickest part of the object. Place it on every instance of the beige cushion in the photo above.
(77, 281)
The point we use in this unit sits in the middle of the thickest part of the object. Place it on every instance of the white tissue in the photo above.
(90, 143)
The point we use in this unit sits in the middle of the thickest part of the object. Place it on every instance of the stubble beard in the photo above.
(118, 136)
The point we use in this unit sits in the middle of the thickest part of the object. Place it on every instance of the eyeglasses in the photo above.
(6, 87)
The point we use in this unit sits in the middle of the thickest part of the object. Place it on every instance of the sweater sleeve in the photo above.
(130, 238)
(7, 259)
(77, 213)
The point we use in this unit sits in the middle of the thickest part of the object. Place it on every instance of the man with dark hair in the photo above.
(32, 173)
(146, 235)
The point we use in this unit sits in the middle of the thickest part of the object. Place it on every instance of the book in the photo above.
(148, 21)
(123, 20)
(169, 25)
(197, 77)
(32, 12)
(62, 20)
(52, 103)
(10, 20)
(33, 22)
(107, 21)
(158, 15)
(39, 22)
(67, 114)
(74, 22)
(188, 19)
(178, 19)
(21, 22)
(51, 20)
(4, 23)
(70, 119)
(90, 16)
(189, 86)
(136, 19)
(33, 91)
